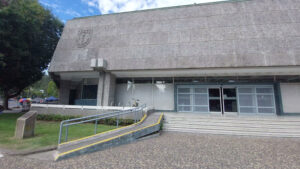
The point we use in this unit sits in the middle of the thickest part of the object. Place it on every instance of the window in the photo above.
(192, 98)
(89, 92)
(256, 99)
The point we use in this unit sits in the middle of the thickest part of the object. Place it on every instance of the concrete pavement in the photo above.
(181, 150)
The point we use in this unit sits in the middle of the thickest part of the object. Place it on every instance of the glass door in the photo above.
(215, 105)
(229, 100)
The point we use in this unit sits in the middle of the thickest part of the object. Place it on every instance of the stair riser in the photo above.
(254, 126)
(279, 126)
(237, 133)
(234, 129)
(167, 117)
(230, 120)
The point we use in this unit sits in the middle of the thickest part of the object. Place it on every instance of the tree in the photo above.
(28, 37)
(52, 89)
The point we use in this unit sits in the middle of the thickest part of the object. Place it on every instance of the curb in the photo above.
(29, 152)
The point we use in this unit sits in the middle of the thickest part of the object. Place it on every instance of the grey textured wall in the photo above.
(227, 34)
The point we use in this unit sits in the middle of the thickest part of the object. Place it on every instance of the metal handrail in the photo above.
(96, 118)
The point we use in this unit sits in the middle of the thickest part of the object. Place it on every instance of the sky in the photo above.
(69, 9)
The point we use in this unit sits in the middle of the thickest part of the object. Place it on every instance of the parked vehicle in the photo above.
(38, 100)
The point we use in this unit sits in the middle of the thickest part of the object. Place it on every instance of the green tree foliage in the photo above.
(28, 37)
(52, 89)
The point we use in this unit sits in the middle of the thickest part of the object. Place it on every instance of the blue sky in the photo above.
(68, 9)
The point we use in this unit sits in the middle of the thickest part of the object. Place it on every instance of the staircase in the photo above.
(273, 126)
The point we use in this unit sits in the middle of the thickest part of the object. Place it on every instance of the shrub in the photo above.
(54, 117)
(108, 121)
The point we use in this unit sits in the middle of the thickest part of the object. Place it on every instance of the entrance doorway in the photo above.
(226, 99)
(223, 100)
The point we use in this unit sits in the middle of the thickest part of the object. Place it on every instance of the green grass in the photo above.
(46, 133)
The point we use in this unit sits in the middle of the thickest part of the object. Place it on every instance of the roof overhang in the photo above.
(253, 71)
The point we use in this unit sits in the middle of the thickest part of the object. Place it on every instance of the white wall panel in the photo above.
(290, 93)
(159, 96)
(163, 95)
(123, 95)
(143, 92)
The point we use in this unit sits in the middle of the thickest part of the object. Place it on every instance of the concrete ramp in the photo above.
(148, 125)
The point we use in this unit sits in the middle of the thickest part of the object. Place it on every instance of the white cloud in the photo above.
(91, 10)
(91, 3)
(114, 6)
(72, 13)
(51, 5)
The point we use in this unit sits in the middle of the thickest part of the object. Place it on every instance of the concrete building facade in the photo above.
(235, 57)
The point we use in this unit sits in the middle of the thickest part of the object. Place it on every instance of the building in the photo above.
(231, 57)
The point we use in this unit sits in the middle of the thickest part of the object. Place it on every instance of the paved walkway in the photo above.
(182, 150)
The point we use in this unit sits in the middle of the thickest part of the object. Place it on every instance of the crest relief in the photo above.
(84, 37)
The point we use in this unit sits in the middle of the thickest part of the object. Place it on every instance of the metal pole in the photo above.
(135, 116)
(96, 124)
(66, 139)
(118, 119)
(60, 132)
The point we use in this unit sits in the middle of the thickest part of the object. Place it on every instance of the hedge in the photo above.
(108, 121)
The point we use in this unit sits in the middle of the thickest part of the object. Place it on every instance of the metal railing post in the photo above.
(67, 128)
(135, 116)
(96, 125)
(118, 119)
(60, 132)
(138, 111)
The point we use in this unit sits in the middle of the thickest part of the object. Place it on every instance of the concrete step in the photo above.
(234, 128)
(189, 121)
(263, 119)
(254, 126)
(241, 133)
(149, 125)
(235, 124)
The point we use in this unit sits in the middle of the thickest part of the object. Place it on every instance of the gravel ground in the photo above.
(182, 150)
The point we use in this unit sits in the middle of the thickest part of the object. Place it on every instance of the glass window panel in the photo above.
(247, 110)
(143, 80)
(89, 92)
(183, 90)
(214, 106)
(163, 80)
(214, 92)
(200, 109)
(230, 105)
(200, 99)
(184, 108)
(246, 90)
(184, 99)
(266, 110)
(247, 100)
(229, 92)
(265, 101)
(200, 90)
(124, 81)
(264, 90)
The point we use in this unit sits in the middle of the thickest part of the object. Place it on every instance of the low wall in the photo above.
(79, 110)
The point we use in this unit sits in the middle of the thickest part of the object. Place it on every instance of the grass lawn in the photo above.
(46, 133)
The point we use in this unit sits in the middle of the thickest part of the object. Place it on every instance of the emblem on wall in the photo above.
(84, 37)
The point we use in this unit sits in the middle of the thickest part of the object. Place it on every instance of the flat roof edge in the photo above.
(154, 9)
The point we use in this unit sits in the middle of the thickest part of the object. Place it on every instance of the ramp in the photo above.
(149, 124)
